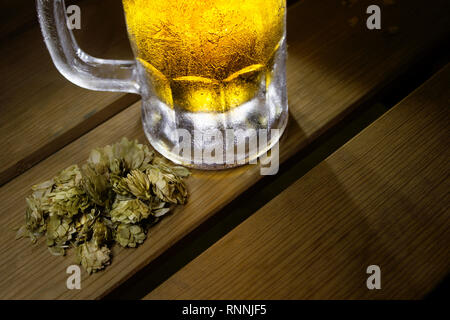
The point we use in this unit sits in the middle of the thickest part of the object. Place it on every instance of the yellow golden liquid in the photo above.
(206, 55)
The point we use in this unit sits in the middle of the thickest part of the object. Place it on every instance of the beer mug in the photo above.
(211, 73)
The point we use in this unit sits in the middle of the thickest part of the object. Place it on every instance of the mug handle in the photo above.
(76, 65)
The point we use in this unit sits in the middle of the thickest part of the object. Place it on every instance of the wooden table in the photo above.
(311, 231)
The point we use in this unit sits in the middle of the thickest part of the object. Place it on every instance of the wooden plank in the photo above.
(40, 110)
(381, 199)
(322, 90)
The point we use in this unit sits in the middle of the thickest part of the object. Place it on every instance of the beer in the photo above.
(206, 55)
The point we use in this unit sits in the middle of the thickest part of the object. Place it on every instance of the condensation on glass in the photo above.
(201, 66)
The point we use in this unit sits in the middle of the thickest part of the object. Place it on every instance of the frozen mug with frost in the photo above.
(211, 73)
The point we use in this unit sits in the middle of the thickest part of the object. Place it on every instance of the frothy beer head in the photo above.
(206, 55)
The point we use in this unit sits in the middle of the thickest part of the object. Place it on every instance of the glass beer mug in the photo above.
(211, 73)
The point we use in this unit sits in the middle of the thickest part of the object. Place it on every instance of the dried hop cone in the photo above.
(68, 197)
(95, 185)
(129, 211)
(42, 190)
(84, 225)
(92, 257)
(166, 185)
(69, 177)
(120, 158)
(138, 184)
(120, 186)
(59, 231)
(134, 156)
(101, 233)
(67, 202)
(35, 213)
(118, 194)
(130, 235)
(34, 220)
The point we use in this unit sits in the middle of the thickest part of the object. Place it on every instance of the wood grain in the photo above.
(381, 199)
(41, 111)
(327, 78)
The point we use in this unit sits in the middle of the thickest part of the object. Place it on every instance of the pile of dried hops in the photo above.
(116, 196)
